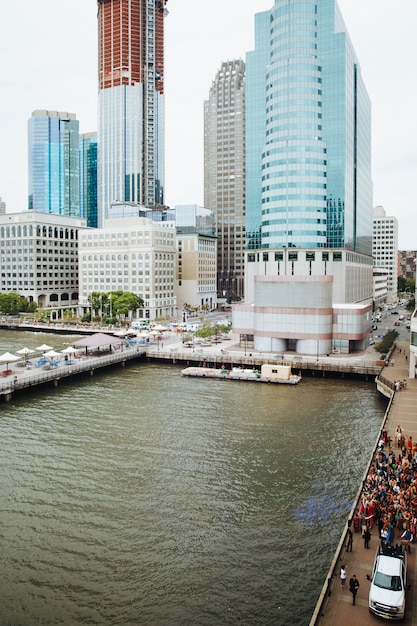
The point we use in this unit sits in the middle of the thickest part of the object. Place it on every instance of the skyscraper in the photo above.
(224, 173)
(88, 178)
(308, 269)
(308, 129)
(54, 163)
(131, 102)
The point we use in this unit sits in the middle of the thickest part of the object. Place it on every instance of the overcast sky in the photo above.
(48, 52)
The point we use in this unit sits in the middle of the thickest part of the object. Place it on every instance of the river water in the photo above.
(143, 497)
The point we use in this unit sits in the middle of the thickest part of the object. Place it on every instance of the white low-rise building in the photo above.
(311, 301)
(39, 258)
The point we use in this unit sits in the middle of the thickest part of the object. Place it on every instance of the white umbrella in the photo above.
(69, 351)
(8, 358)
(51, 354)
(44, 348)
(120, 333)
(160, 328)
(25, 352)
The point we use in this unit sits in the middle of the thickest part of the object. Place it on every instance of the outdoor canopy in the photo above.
(97, 340)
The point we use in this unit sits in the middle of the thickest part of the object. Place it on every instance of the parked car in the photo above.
(388, 583)
(393, 312)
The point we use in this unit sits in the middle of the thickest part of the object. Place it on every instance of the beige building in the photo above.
(196, 271)
(225, 174)
(131, 254)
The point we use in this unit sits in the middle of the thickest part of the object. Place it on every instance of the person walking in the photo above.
(366, 538)
(343, 576)
(353, 587)
(349, 544)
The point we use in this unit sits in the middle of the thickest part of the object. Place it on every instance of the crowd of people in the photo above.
(388, 500)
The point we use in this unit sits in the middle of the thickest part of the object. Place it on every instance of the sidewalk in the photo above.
(338, 611)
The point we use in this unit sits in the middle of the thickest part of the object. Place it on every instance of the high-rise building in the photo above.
(308, 132)
(385, 248)
(88, 178)
(308, 270)
(2, 207)
(224, 173)
(131, 103)
(54, 172)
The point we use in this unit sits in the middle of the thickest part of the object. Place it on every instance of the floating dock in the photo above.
(269, 373)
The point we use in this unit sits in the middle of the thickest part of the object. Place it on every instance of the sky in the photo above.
(48, 52)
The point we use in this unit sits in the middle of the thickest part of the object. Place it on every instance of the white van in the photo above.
(388, 583)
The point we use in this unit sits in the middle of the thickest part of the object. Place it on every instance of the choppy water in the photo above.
(143, 497)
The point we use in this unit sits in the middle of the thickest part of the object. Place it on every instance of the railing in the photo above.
(46, 373)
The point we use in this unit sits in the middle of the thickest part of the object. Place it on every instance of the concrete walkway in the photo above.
(338, 610)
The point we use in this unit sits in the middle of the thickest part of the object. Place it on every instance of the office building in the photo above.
(2, 207)
(196, 258)
(224, 173)
(54, 172)
(385, 249)
(407, 263)
(131, 103)
(308, 184)
(39, 255)
(88, 178)
(131, 254)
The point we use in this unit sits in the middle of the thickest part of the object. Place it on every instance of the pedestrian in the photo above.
(366, 538)
(353, 587)
(349, 541)
(343, 576)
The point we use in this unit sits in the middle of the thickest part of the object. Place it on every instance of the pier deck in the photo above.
(17, 379)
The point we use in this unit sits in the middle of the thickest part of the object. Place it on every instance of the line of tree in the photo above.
(13, 303)
(114, 304)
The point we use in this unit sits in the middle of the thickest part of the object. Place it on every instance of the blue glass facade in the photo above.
(54, 171)
(88, 178)
(308, 132)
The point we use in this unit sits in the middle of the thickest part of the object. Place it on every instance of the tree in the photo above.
(11, 303)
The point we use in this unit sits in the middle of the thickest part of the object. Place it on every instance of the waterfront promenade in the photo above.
(337, 609)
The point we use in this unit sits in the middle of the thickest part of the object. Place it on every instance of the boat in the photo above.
(269, 373)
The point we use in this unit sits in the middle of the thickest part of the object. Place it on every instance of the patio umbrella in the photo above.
(44, 348)
(51, 354)
(120, 333)
(160, 328)
(8, 358)
(25, 352)
(69, 351)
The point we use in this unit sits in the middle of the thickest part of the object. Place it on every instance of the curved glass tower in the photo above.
(308, 132)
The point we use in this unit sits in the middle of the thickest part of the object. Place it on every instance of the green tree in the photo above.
(11, 303)
(401, 284)
(384, 346)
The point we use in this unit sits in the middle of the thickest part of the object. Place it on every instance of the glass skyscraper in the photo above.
(54, 163)
(88, 178)
(131, 103)
(308, 132)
